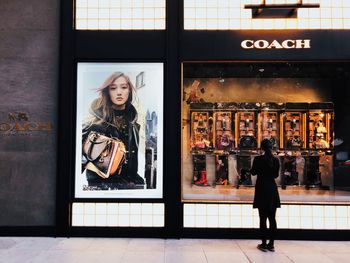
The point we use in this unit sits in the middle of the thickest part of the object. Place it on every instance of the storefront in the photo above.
(208, 93)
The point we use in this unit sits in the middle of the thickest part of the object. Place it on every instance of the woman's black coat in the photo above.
(129, 136)
(266, 194)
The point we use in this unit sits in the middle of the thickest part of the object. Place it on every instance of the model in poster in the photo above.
(113, 115)
(266, 197)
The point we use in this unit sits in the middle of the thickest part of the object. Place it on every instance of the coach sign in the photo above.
(275, 44)
(18, 123)
(239, 45)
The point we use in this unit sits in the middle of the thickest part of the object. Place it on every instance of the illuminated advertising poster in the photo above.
(119, 130)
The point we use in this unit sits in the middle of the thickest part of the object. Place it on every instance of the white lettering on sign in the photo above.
(275, 44)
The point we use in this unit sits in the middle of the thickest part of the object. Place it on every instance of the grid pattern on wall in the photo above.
(118, 214)
(120, 15)
(288, 216)
(230, 14)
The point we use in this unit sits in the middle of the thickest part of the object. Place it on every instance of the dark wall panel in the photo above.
(29, 43)
(120, 45)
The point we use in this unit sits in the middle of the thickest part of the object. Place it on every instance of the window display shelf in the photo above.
(225, 140)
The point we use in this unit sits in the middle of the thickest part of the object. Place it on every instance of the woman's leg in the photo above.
(273, 226)
(263, 229)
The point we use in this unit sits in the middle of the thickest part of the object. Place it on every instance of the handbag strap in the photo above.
(93, 141)
(90, 166)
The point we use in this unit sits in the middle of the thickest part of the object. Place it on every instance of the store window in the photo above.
(234, 15)
(228, 108)
(120, 15)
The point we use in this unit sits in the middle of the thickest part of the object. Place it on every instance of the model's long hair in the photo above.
(104, 105)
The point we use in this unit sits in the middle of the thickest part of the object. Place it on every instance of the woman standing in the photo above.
(113, 115)
(266, 197)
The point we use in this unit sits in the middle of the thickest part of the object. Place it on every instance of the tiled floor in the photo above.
(129, 250)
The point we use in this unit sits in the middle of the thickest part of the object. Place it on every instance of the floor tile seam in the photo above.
(291, 260)
(205, 255)
(243, 252)
(330, 258)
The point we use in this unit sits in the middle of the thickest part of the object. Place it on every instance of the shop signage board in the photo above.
(265, 45)
(275, 44)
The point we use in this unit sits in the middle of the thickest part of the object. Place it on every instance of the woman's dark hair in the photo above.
(266, 145)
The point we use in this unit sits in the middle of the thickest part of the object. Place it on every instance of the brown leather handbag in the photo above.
(106, 155)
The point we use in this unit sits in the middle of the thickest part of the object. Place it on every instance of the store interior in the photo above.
(229, 107)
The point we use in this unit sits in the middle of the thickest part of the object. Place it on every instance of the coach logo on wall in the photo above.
(18, 123)
(275, 44)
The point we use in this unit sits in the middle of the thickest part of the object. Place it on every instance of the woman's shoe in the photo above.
(270, 248)
(262, 247)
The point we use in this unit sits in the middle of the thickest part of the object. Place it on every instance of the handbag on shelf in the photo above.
(105, 155)
(248, 142)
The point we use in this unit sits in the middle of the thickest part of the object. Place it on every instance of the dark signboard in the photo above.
(265, 45)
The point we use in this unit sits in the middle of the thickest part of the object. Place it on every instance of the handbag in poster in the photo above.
(106, 155)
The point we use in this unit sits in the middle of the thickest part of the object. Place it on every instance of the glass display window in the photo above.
(221, 170)
(294, 130)
(224, 131)
(227, 112)
(247, 132)
(320, 128)
(200, 133)
(269, 127)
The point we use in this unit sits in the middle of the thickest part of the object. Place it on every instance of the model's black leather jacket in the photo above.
(128, 133)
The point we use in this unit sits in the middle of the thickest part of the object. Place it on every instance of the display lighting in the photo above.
(279, 10)
(118, 214)
(288, 216)
(120, 14)
(233, 15)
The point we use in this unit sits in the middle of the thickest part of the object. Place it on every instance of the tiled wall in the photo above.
(118, 214)
(209, 215)
(120, 14)
(288, 216)
(231, 14)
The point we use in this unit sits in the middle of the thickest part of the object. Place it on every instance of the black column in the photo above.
(66, 120)
(172, 122)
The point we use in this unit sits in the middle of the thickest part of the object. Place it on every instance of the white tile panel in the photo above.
(158, 221)
(287, 217)
(118, 214)
(101, 209)
(120, 14)
(224, 221)
(201, 221)
(89, 208)
(223, 15)
(135, 220)
(101, 220)
(78, 220)
(189, 221)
